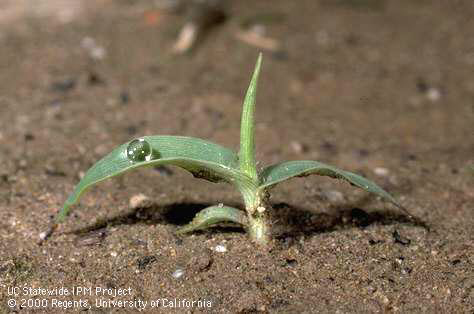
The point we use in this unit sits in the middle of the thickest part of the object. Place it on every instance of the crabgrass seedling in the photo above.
(215, 163)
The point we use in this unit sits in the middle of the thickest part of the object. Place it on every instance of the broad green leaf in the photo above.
(280, 172)
(213, 215)
(247, 127)
(202, 158)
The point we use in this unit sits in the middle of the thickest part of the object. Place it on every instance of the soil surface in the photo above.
(381, 88)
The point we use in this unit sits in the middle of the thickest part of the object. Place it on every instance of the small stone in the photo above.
(52, 170)
(200, 261)
(92, 238)
(380, 171)
(298, 147)
(172, 252)
(178, 273)
(43, 235)
(261, 209)
(139, 201)
(220, 248)
(145, 261)
(400, 239)
(433, 94)
(113, 254)
(95, 51)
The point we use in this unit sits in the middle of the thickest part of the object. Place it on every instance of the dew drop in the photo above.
(139, 150)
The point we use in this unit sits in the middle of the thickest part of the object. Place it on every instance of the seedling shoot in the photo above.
(215, 163)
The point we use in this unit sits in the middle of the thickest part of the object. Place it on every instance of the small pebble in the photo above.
(298, 147)
(139, 201)
(381, 171)
(91, 238)
(433, 94)
(400, 239)
(145, 261)
(178, 273)
(95, 51)
(113, 254)
(201, 261)
(43, 235)
(220, 248)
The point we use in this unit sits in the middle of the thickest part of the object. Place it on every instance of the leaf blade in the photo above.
(213, 215)
(247, 127)
(202, 158)
(277, 173)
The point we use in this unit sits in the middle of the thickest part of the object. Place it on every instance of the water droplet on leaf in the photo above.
(139, 150)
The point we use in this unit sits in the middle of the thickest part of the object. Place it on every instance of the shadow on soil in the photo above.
(289, 221)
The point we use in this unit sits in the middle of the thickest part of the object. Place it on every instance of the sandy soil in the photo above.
(382, 88)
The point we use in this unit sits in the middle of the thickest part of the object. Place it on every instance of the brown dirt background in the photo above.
(358, 84)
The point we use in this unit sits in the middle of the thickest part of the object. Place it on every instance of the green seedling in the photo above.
(215, 163)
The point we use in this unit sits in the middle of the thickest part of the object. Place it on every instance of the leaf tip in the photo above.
(258, 65)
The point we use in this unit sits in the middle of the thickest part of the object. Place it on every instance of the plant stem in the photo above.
(256, 206)
(259, 230)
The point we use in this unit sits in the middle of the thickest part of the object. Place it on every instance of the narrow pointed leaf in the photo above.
(202, 158)
(247, 128)
(280, 172)
(213, 215)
